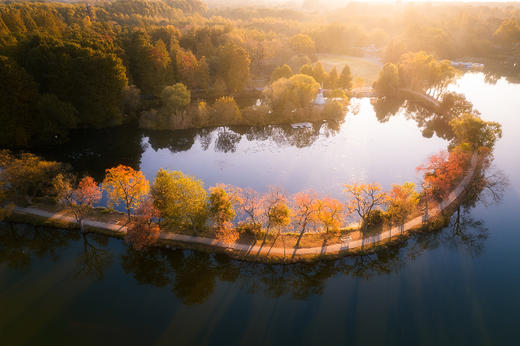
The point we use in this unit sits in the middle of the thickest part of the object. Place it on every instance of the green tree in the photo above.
(26, 116)
(508, 33)
(283, 71)
(233, 66)
(345, 79)
(471, 129)
(332, 81)
(91, 80)
(181, 199)
(202, 75)
(388, 81)
(149, 64)
(17, 91)
(319, 74)
(226, 111)
(421, 72)
(27, 176)
(175, 97)
(302, 44)
(296, 92)
(306, 69)
(333, 110)
(52, 119)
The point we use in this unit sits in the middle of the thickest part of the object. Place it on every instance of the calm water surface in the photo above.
(323, 157)
(457, 286)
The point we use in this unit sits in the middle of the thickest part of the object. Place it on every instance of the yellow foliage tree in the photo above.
(330, 214)
(181, 199)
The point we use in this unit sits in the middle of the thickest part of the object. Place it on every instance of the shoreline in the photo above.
(262, 253)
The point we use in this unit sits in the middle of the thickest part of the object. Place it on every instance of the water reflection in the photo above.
(495, 70)
(91, 152)
(95, 257)
(226, 139)
(452, 106)
(20, 244)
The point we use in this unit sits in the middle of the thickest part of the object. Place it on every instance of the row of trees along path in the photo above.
(291, 253)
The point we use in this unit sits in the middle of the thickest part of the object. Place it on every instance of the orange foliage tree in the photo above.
(402, 201)
(364, 198)
(250, 207)
(80, 199)
(442, 171)
(305, 211)
(125, 184)
(144, 230)
(330, 214)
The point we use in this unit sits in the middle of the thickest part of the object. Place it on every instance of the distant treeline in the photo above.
(101, 63)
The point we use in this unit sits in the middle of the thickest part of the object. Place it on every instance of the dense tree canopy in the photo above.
(180, 199)
(388, 80)
(476, 132)
(175, 97)
(296, 92)
(90, 80)
(75, 63)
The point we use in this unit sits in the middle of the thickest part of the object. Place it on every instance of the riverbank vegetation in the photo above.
(167, 64)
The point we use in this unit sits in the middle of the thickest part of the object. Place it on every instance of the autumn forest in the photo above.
(232, 157)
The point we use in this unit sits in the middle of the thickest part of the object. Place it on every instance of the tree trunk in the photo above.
(81, 227)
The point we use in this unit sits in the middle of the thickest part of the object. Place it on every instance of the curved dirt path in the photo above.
(256, 250)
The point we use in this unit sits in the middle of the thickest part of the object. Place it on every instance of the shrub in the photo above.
(333, 110)
(374, 218)
(226, 111)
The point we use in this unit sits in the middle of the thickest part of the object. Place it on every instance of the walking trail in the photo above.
(260, 250)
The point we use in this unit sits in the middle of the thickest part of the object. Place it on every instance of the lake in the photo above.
(455, 286)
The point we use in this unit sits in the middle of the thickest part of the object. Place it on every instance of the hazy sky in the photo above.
(347, 1)
(488, 1)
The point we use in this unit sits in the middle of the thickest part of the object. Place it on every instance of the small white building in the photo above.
(320, 99)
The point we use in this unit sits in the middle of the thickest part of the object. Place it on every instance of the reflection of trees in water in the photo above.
(95, 257)
(193, 275)
(226, 139)
(175, 141)
(495, 70)
(21, 244)
(93, 151)
(285, 135)
(463, 231)
(452, 106)
(466, 232)
(387, 107)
